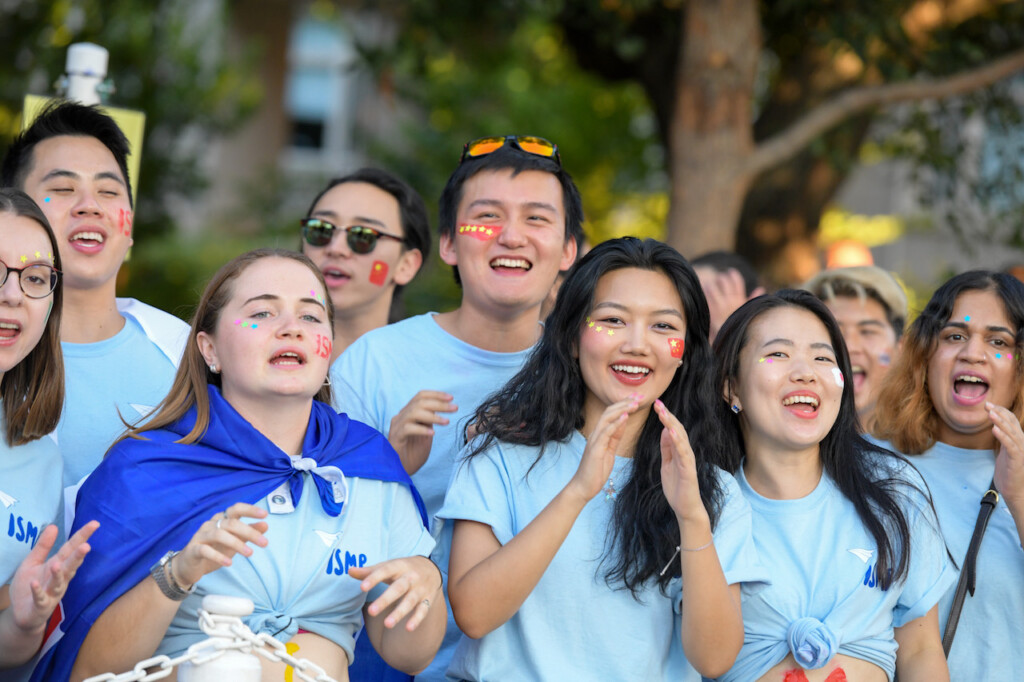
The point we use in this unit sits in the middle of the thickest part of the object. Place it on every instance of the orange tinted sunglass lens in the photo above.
(536, 145)
(485, 145)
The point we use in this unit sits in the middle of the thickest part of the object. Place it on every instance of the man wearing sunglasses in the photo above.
(120, 355)
(368, 233)
(510, 221)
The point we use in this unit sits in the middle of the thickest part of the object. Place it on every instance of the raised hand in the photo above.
(412, 430)
(414, 585)
(39, 584)
(217, 541)
(1009, 475)
(599, 455)
(678, 467)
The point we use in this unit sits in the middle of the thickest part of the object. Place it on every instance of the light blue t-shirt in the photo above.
(375, 377)
(30, 492)
(30, 497)
(824, 597)
(574, 625)
(127, 373)
(989, 642)
(300, 579)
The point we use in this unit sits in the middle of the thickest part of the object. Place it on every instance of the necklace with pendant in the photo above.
(610, 493)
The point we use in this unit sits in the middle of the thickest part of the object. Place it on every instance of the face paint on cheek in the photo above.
(884, 359)
(124, 222)
(378, 272)
(482, 232)
(251, 325)
(323, 346)
(599, 328)
(768, 360)
(46, 200)
(837, 374)
(676, 347)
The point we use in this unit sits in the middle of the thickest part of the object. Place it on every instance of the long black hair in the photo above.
(544, 403)
(864, 472)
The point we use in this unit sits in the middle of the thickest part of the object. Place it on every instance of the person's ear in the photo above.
(408, 265)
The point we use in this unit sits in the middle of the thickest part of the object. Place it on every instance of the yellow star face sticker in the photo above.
(24, 259)
(38, 255)
(598, 328)
(611, 333)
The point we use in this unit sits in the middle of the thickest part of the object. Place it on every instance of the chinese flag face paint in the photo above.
(676, 346)
(378, 273)
(482, 232)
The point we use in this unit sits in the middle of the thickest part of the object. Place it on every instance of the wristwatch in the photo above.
(161, 572)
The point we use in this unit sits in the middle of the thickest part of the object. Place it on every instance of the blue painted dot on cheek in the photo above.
(967, 318)
(254, 325)
(998, 356)
(46, 200)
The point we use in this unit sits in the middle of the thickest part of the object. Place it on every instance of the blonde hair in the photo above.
(904, 414)
(190, 383)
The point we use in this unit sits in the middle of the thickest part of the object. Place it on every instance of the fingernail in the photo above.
(673, 432)
(659, 403)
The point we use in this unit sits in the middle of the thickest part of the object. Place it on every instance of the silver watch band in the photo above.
(165, 579)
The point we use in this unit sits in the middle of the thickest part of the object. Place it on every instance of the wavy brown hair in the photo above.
(904, 414)
(190, 383)
(33, 390)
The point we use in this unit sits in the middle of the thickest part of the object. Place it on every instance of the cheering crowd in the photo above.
(798, 487)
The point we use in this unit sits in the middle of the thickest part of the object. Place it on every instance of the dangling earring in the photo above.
(735, 408)
(327, 380)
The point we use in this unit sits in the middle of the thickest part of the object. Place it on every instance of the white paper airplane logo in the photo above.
(143, 410)
(7, 500)
(328, 538)
(862, 554)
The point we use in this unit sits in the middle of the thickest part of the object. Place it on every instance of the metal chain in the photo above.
(217, 625)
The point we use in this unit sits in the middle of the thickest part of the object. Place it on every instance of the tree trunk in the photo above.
(711, 134)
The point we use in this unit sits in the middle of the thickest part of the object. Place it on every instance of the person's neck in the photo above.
(983, 440)
(283, 422)
(89, 315)
(630, 436)
(497, 333)
(783, 475)
(350, 326)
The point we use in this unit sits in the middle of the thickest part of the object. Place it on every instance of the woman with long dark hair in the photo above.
(31, 396)
(845, 527)
(586, 511)
(954, 403)
(246, 483)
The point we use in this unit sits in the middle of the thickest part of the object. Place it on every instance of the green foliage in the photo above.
(167, 59)
(476, 69)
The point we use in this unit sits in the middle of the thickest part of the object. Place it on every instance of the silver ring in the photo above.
(427, 602)
(218, 523)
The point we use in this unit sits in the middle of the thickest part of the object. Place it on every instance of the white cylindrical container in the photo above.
(230, 666)
(86, 67)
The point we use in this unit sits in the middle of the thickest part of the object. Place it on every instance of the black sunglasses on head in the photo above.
(361, 239)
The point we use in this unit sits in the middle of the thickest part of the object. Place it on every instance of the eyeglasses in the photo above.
(361, 239)
(537, 146)
(36, 281)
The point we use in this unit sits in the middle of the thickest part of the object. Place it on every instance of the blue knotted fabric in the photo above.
(812, 642)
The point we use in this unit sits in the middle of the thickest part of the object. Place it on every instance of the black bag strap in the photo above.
(968, 572)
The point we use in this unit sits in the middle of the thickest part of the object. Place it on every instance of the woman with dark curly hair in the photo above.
(594, 537)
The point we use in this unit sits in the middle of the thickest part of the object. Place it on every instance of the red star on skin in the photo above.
(378, 273)
(676, 346)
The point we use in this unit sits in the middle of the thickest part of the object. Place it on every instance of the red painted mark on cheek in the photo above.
(378, 272)
(482, 232)
(794, 675)
(323, 346)
(676, 347)
(124, 222)
(837, 675)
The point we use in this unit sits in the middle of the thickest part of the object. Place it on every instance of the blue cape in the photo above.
(150, 496)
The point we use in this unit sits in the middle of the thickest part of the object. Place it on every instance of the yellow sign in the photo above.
(131, 122)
